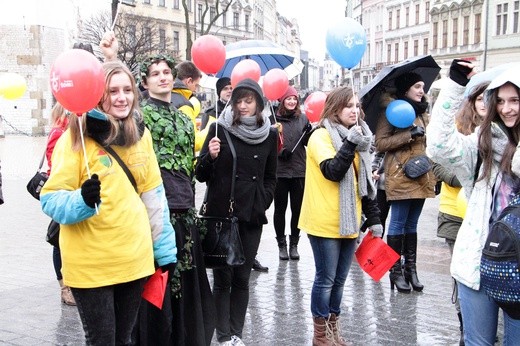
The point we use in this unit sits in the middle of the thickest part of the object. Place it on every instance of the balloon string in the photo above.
(115, 17)
(351, 77)
(216, 112)
(85, 153)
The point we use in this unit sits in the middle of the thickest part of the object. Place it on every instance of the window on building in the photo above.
(388, 54)
(415, 47)
(516, 10)
(188, 3)
(199, 13)
(478, 19)
(224, 19)
(396, 51)
(397, 19)
(162, 39)
(444, 33)
(407, 18)
(236, 20)
(389, 20)
(161, 3)
(406, 50)
(176, 42)
(147, 37)
(130, 2)
(176, 4)
(435, 35)
(146, 2)
(465, 30)
(501, 19)
(427, 12)
(417, 8)
(246, 22)
(131, 34)
(455, 32)
(212, 12)
(425, 46)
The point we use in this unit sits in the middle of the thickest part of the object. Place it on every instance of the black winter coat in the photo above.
(255, 177)
(292, 126)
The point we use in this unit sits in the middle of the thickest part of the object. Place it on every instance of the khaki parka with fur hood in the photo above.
(400, 147)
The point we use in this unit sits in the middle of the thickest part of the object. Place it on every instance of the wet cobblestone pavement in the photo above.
(279, 309)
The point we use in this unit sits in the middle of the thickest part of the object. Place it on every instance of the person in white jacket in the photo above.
(489, 186)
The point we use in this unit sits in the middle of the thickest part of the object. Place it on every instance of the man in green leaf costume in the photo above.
(188, 317)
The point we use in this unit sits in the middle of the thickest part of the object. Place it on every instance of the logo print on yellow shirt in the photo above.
(104, 159)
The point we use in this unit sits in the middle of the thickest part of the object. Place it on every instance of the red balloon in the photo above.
(208, 54)
(314, 105)
(77, 80)
(275, 84)
(246, 68)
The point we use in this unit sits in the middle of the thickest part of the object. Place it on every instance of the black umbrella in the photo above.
(371, 93)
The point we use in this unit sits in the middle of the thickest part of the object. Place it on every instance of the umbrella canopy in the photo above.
(384, 82)
(267, 54)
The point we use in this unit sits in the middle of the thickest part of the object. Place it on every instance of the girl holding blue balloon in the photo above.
(401, 134)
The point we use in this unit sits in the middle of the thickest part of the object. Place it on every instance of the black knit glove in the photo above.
(170, 268)
(459, 73)
(307, 128)
(417, 131)
(285, 154)
(91, 191)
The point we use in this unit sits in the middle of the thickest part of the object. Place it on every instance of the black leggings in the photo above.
(284, 188)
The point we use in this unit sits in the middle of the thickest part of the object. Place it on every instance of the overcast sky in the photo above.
(314, 18)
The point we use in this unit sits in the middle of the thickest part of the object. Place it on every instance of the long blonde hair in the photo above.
(128, 125)
(59, 115)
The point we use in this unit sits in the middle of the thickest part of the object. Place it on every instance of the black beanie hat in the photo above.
(250, 84)
(222, 83)
(405, 81)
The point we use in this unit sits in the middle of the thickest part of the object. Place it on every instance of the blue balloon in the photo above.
(400, 114)
(346, 42)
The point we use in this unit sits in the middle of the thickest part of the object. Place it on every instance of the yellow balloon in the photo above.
(462, 202)
(196, 104)
(12, 86)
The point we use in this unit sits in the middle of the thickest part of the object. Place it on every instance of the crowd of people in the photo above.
(122, 187)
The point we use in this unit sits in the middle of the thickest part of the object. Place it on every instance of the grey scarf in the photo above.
(248, 130)
(349, 224)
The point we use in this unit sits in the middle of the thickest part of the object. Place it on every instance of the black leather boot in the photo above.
(410, 259)
(396, 272)
(293, 247)
(259, 268)
(282, 248)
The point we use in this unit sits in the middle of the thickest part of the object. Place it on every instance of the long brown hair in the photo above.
(284, 111)
(467, 118)
(127, 125)
(336, 100)
(485, 140)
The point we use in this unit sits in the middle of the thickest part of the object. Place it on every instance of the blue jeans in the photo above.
(404, 216)
(332, 259)
(109, 313)
(480, 319)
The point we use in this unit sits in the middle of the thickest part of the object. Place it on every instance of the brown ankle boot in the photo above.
(66, 295)
(322, 333)
(333, 321)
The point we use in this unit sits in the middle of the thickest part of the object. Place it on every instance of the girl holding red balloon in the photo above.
(290, 174)
(338, 190)
(111, 232)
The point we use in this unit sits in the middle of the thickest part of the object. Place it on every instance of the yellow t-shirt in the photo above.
(448, 203)
(116, 245)
(319, 215)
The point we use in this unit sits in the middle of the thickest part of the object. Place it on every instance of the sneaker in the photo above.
(236, 341)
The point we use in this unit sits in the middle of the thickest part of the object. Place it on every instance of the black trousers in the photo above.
(286, 187)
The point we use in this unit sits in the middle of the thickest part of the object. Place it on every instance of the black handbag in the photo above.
(222, 245)
(417, 166)
(35, 184)
(53, 233)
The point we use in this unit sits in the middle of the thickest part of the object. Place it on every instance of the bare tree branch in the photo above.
(139, 37)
